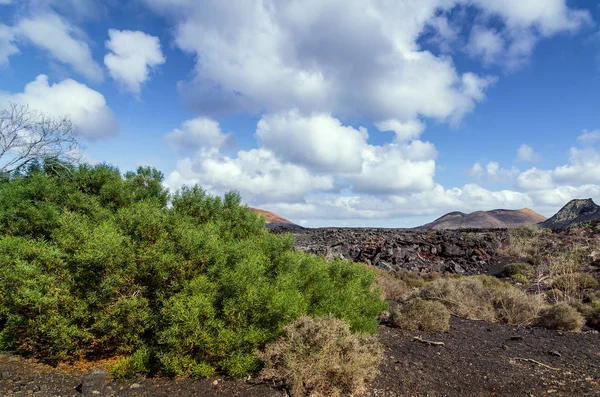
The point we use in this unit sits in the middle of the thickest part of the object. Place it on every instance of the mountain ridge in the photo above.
(575, 213)
(494, 219)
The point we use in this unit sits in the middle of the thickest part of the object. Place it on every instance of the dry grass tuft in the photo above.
(561, 316)
(485, 298)
(422, 315)
(392, 287)
(321, 357)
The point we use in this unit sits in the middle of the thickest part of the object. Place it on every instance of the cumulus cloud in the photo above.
(197, 134)
(7, 44)
(303, 66)
(319, 142)
(257, 174)
(132, 56)
(493, 171)
(308, 55)
(86, 107)
(485, 43)
(62, 41)
(525, 153)
(405, 131)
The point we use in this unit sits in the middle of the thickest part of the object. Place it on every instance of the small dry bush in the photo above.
(572, 286)
(422, 315)
(485, 298)
(417, 280)
(392, 287)
(525, 241)
(561, 316)
(321, 357)
(591, 311)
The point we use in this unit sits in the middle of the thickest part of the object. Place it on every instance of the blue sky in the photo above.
(349, 113)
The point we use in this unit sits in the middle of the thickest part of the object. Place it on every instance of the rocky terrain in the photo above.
(495, 219)
(462, 252)
(575, 213)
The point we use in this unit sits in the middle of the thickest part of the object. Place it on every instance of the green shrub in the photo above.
(485, 298)
(561, 316)
(321, 357)
(520, 272)
(591, 311)
(423, 315)
(99, 264)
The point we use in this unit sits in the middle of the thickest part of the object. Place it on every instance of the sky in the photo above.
(375, 113)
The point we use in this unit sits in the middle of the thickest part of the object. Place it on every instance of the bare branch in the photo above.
(27, 135)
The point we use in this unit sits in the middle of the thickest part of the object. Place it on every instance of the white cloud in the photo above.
(485, 43)
(396, 168)
(589, 137)
(405, 131)
(308, 55)
(197, 134)
(525, 153)
(477, 171)
(319, 142)
(7, 44)
(132, 56)
(303, 66)
(55, 35)
(257, 174)
(534, 179)
(86, 107)
(492, 171)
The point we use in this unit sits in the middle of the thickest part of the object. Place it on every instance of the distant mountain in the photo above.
(273, 220)
(495, 219)
(575, 213)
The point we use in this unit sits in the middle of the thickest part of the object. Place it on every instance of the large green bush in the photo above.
(96, 264)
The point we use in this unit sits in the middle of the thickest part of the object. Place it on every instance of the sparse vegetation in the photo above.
(561, 316)
(321, 357)
(485, 298)
(96, 264)
(392, 287)
(422, 315)
(519, 272)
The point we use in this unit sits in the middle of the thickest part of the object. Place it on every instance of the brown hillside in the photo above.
(272, 218)
(494, 219)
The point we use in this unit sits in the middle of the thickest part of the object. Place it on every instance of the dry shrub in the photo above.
(417, 280)
(321, 357)
(525, 241)
(572, 286)
(591, 311)
(561, 316)
(485, 298)
(392, 287)
(423, 315)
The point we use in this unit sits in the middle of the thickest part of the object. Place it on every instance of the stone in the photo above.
(94, 381)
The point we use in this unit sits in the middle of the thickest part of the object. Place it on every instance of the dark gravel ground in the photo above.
(478, 359)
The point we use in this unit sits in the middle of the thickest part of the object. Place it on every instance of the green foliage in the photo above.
(99, 264)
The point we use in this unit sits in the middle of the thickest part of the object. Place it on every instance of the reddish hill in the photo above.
(495, 219)
(272, 219)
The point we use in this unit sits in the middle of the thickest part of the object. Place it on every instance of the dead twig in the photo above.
(530, 360)
(428, 342)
